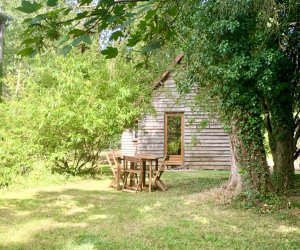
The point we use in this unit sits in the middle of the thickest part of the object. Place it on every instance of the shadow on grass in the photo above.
(85, 217)
(65, 218)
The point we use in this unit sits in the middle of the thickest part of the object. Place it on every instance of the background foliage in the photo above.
(66, 110)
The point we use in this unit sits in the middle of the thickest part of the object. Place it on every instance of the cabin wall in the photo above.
(206, 148)
(128, 143)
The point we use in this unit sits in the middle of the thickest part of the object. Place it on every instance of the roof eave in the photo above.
(159, 81)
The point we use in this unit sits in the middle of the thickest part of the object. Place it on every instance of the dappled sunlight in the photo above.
(157, 204)
(97, 217)
(23, 213)
(189, 202)
(81, 216)
(23, 232)
(71, 224)
(86, 246)
(234, 227)
(217, 195)
(288, 229)
(201, 219)
(145, 209)
(75, 210)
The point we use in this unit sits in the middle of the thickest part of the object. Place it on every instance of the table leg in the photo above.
(150, 177)
(132, 182)
(144, 173)
(118, 177)
(118, 173)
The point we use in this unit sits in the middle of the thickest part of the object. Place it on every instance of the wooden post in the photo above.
(132, 182)
(150, 176)
(118, 173)
(144, 173)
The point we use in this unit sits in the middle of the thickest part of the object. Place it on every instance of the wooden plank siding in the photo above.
(128, 144)
(204, 148)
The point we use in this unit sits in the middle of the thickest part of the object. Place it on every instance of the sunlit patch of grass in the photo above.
(87, 214)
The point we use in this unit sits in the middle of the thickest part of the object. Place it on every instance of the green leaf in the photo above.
(150, 14)
(63, 39)
(139, 65)
(91, 21)
(172, 11)
(84, 38)
(28, 7)
(30, 40)
(127, 23)
(76, 32)
(81, 15)
(67, 11)
(152, 46)
(37, 20)
(110, 52)
(134, 39)
(52, 3)
(64, 50)
(83, 2)
(28, 52)
(114, 36)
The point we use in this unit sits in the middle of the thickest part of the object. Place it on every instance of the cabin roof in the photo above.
(160, 80)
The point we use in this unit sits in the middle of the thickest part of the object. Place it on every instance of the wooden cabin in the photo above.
(177, 128)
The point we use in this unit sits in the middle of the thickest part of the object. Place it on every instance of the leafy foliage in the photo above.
(133, 22)
(67, 110)
(245, 54)
(234, 47)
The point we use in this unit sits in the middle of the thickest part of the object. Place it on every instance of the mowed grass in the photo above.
(87, 215)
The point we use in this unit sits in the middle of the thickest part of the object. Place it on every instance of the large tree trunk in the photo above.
(281, 138)
(249, 157)
(282, 150)
(283, 160)
(235, 180)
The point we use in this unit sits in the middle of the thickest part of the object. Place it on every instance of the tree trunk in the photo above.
(235, 180)
(282, 143)
(248, 156)
(282, 151)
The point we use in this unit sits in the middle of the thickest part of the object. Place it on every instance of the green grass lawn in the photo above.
(86, 214)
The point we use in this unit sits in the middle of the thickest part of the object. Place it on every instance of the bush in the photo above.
(17, 148)
(67, 110)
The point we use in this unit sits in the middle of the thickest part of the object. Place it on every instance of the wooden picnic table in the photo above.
(142, 159)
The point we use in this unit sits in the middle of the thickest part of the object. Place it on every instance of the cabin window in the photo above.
(174, 124)
(135, 134)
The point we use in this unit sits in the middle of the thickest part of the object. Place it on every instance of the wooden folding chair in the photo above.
(158, 173)
(134, 172)
(116, 169)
